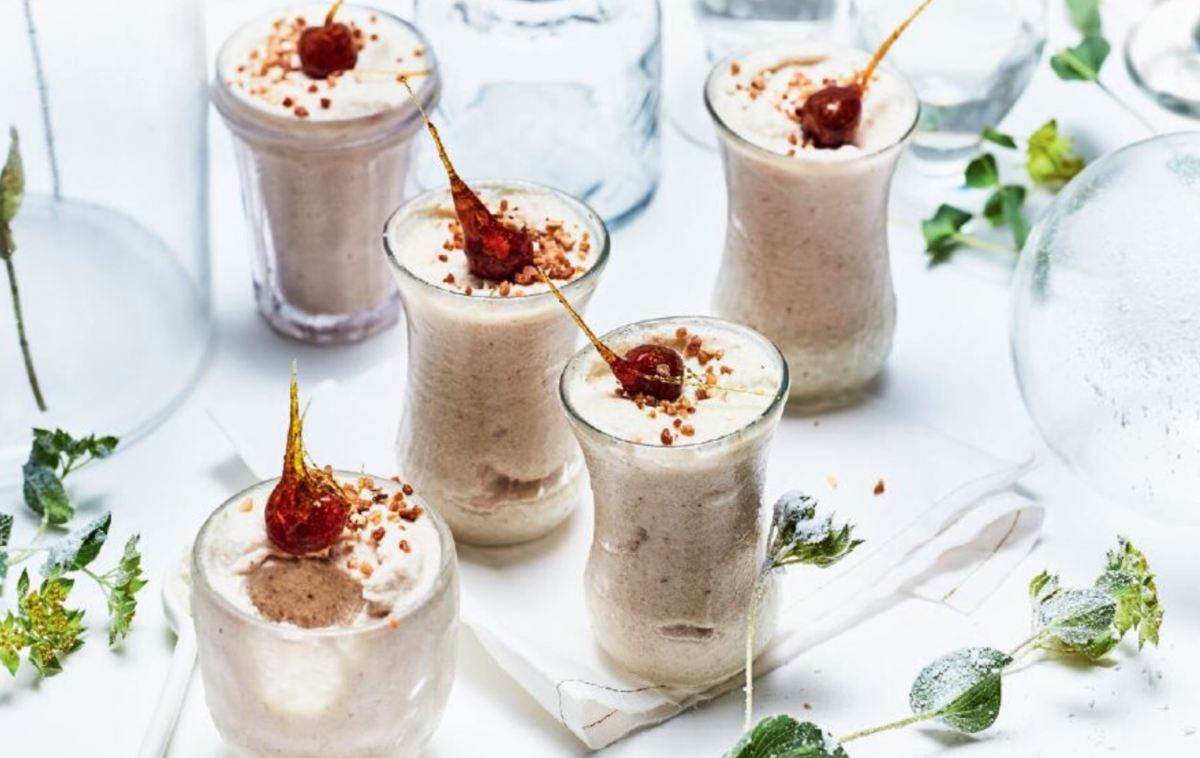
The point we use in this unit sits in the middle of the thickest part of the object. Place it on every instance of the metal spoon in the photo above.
(176, 599)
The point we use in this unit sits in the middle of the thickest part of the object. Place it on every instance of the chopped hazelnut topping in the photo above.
(687, 430)
(407, 489)
(666, 437)
(366, 569)
(379, 533)
(301, 111)
(246, 505)
(879, 487)
(405, 547)
(394, 623)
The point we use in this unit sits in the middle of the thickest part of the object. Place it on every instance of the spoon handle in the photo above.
(170, 700)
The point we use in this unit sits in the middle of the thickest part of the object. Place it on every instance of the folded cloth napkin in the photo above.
(946, 525)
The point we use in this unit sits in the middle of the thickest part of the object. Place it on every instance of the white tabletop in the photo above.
(950, 371)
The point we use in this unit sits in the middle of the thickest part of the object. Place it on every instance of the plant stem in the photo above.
(44, 98)
(760, 589)
(982, 244)
(33, 548)
(6, 245)
(916, 719)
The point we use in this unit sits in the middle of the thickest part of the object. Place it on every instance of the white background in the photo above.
(950, 370)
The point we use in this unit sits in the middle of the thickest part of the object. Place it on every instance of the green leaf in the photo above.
(962, 688)
(12, 180)
(1012, 199)
(6, 522)
(941, 231)
(797, 536)
(126, 580)
(1085, 15)
(1078, 621)
(785, 737)
(1082, 62)
(44, 493)
(77, 549)
(982, 172)
(1051, 163)
(1127, 577)
(999, 138)
(59, 450)
(12, 641)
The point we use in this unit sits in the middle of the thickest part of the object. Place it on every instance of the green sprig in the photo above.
(964, 689)
(12, 195)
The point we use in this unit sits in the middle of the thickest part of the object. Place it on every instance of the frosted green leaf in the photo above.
(44, 493)
(6, 522)
(1082, 62)
(785, 737)
(79, 548)
(982, 172)
(798, 535)
(12, 181)
(962, 689)
(1079, 621)
(1127, 577)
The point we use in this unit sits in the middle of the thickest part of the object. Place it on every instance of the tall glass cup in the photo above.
(481, 428)
(680, 529)
(806, 249)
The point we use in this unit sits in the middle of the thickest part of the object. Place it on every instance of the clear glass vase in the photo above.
(560, 92)
(112, 238)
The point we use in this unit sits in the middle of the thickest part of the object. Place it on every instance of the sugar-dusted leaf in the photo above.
(6, 523)
(1042, 586)
(799, 536)
(1127, 577)
(126, 580)
(941, 232)
(982, 172)
(12, 181)
(60, 451)
(785, 737)
(44, 493)
(1051, 162)
(77, 549)
(52, 630)
(1082, 62)
(1085, 15)
(963, 688)
(1078, 621)
(999, 138)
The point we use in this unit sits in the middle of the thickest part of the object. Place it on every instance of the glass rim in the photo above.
(725, 130)
(200, 581)
(389, 120)
(585, 211)
(777, 401)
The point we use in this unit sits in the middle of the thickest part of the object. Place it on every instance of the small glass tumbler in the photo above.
(481, 428)
(370, 691)
(561, 92)
(680, 530)
(969, 62)
(316, 193)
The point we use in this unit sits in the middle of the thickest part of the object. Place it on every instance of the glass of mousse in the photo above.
(325, 626)
(323, 130)
(806, 251)
(481, 427)
(680, 527)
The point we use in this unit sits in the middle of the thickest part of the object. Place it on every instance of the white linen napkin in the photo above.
(947, 527)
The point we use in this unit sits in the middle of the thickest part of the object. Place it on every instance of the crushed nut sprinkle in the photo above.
(246, 505)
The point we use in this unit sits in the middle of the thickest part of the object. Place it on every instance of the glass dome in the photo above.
(112, 238)
(1106, 326)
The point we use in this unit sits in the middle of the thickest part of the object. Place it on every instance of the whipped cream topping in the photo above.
(755, 94)
(391, 548)
(428, 240)
(259, 64)
(733, 379)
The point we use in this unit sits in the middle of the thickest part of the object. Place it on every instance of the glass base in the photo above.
(325, 329)
(1163, 55)
(118, 330)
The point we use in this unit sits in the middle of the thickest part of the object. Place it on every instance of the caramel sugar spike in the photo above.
(605, 351)
(333, 12)
(865, 77)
